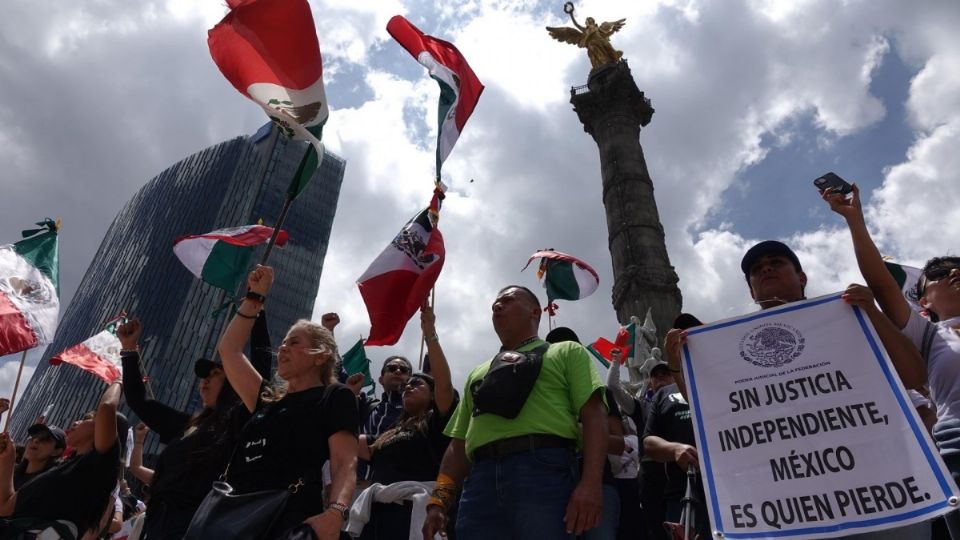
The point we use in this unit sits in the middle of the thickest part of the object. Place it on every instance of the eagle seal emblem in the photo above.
(772, 345)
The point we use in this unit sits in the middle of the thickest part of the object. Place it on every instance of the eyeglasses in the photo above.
(415, 383)
(397, 368)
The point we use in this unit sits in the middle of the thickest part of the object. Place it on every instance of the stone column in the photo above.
(612, 110)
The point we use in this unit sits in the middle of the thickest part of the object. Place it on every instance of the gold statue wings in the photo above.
(595, 38)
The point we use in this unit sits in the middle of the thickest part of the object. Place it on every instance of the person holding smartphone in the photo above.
(937, 338)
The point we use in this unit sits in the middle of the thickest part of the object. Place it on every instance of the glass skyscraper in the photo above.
(234, 183)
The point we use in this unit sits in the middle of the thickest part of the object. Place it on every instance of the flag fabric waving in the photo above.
(222, 257)
(460, 88)
(269, 52)
(907, 278)
(564, 276)
(99, 355)
(29, 289)
(355, 361)
(397, 282)
(602, 347)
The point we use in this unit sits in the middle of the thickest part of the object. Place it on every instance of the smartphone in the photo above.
(833, 181)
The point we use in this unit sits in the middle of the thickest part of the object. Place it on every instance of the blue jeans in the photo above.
(610, 519)
(522, 496)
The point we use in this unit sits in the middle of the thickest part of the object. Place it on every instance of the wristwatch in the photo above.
(343, 509)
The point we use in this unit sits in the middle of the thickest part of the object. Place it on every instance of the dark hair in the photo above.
(407, 421)
(921, 287)
(383, 369)
(561, 334)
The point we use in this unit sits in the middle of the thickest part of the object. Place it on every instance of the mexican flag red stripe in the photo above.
(99, 355)
(460, 88)
(269, 52)
(400, 278)
(222, 257)
(29, 290)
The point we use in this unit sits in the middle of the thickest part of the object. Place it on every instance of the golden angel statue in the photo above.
(592, 37)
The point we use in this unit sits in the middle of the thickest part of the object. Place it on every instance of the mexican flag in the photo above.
(29, 289)
(222, 257)
(907, 278)
(397, 282)
(564, 276)
(355, 361)
(602, 347)
(269, 52)
(99, 355)
(460, 88)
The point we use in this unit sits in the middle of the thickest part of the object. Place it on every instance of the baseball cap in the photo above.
(203, 366)
(768, 248)
(55, 433)
(686, 321)
(561, 334)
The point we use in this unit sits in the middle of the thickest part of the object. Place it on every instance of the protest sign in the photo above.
(804, 429)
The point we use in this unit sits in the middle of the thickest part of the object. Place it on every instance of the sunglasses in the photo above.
(397, 368)
(42, 438)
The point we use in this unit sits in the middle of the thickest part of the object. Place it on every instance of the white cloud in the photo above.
(131, 89)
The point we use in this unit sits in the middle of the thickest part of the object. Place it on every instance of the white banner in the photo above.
(804, 429)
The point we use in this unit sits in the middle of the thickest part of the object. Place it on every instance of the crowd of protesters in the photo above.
(533, 445)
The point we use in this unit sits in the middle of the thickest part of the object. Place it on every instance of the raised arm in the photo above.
(439, 368)
(136, 467)
(672, 345)
(244, 378)
(903, 353)
(166, 421)
(8, 459)
(881, 282)
(261, 351)
(105, 426)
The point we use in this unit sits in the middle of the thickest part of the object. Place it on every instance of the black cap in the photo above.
(685, 321)
(766, 248)
(561, 334)
(203, 366)
(57, 434)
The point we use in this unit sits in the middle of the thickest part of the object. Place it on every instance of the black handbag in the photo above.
(225, 514)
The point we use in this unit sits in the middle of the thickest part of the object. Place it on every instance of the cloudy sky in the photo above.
(753, 100)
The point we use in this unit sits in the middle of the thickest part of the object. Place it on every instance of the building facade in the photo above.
(236, 182)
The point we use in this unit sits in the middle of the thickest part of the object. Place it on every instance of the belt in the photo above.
(523, 443)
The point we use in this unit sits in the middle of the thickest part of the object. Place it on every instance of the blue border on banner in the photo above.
(888, 375)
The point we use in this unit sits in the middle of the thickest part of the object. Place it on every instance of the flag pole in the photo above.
(276, 229)
(16, 386)
(423, 338)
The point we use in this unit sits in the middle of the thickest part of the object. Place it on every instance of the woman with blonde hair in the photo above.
(297, 424)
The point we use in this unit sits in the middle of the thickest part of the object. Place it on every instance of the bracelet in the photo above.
(432, 339)
(444, 494)
(341, 509)
(129, 351)
(256, 297)
(245, 316)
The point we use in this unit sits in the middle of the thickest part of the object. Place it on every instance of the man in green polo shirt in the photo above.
(519, 474)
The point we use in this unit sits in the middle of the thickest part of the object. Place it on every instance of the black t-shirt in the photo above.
(192, 462)
(21, 476)
(412, 454)
(76, 490)
(286, 440)
(669, 419)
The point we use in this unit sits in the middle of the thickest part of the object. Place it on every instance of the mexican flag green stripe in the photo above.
(222, 257)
